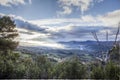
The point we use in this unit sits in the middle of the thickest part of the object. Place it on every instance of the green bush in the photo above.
(13, 66)
(69, 70)
(98, 73)
(108, 71)
(112, 71)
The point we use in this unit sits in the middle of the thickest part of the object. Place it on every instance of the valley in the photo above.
(87, 51)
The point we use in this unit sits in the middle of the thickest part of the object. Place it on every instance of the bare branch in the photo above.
(117, 34)
(107, 36)
(95, 36)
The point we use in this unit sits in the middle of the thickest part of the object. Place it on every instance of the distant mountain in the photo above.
(88, 45)
(71, 47)
(86, 50)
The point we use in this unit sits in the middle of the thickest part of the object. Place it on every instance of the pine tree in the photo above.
(8, 33)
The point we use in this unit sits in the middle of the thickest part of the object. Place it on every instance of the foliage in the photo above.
(98, 73)
(73, 69)
(8, 33)
(15, 65)
(108, 71)
(7, 64)
(112, 71)
(115, 53)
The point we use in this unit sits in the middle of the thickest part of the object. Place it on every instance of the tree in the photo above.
(7, 64)
(115, 54)
(112, 71)
(45, 67)
(108, 71)
(98, 73)
(72, 69)
(8, 33)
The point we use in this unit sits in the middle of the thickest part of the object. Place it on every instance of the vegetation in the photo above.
(15, 65)
(115, 54)
(8, 33)
(73, 69)
(108, 71)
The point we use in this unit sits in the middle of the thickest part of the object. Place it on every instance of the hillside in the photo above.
(86, 50)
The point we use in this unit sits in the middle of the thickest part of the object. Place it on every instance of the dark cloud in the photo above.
(79, 32)
(28, 26)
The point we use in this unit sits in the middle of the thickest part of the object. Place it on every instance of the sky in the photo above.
(65, 20)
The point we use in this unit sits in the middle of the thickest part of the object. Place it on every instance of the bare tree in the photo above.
(105, 55)
(96, 38)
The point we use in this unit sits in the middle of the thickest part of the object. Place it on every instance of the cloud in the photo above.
(22, 23)
(66, 10)
(9, 3)
(30, 1)
(66, 29)
(111, 18)
(86, 20)
(43, 44)
(82, 5)
(28, 38)
(80, 28)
